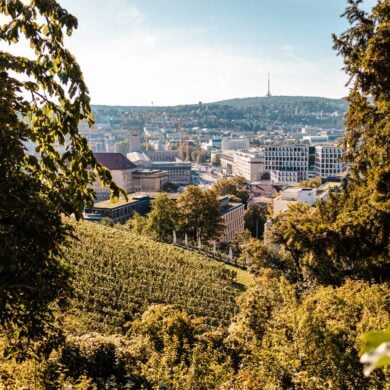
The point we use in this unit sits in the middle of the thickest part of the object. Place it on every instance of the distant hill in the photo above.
(118, 275)
(290, 113)
(324, 104)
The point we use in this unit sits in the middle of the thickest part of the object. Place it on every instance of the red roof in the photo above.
(114, 161)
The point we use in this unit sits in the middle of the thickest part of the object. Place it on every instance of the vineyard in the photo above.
(117, 275)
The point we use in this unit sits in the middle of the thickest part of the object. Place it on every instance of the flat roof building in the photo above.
(329, 161)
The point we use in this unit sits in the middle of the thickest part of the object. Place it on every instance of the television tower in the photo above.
(269, 87)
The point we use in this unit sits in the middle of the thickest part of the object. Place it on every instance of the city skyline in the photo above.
(135, 52)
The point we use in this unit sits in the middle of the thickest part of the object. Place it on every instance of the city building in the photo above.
(227, 162)
(121, 170)
(328, 161)
(120, 211)
(163, 155)
(248, 165)
(316, 139)
(287, 163)
(140, 159)
(235, 143)
(149, 180)
(232, 214)
(135, 137)
(178, 172)
(215, 143)
(292, 196)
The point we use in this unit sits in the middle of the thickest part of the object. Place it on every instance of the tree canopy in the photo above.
(236, 185)
(43, 97)
(199, 213)
(348, 236)
(163, 218)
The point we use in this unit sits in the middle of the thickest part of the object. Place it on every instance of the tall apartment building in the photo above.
(287, 163)
(328, 161)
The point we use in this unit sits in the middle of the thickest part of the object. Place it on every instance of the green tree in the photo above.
(199, 155)
(349, 234)
(42, 99)
(169, 187)
(310, 343)
(200, 215)
(255, 217)
(137, 223)
(163, 219)
(236, 185)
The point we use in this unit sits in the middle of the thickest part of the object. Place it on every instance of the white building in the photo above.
(135, 139)
(235, 143)
(213, 143)
(248, 165)
(328, 161)
(287, 164)
(288, 177)
(316, 139)
(292, 196)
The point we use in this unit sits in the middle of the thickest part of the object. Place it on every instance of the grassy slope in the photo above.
(119, 274)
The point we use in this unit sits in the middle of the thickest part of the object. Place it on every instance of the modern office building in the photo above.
(248, 165)
(287, 163)
(328, 161)
(178, 172)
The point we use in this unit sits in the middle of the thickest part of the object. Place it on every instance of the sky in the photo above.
(169, 52)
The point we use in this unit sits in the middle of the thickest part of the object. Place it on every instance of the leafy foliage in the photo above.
(236, 185)
(310, 344)
(42, 99)
(163, 218)
(199, 214)
(255, 217)
(349, 234)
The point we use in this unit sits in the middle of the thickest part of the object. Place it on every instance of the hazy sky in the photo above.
(133, 52)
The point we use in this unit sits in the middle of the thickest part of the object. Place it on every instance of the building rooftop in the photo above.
(114, 161)
(107, 204)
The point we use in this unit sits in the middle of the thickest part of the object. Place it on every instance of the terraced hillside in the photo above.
(117, 275)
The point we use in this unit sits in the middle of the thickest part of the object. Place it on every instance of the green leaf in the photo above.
(373, 339)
